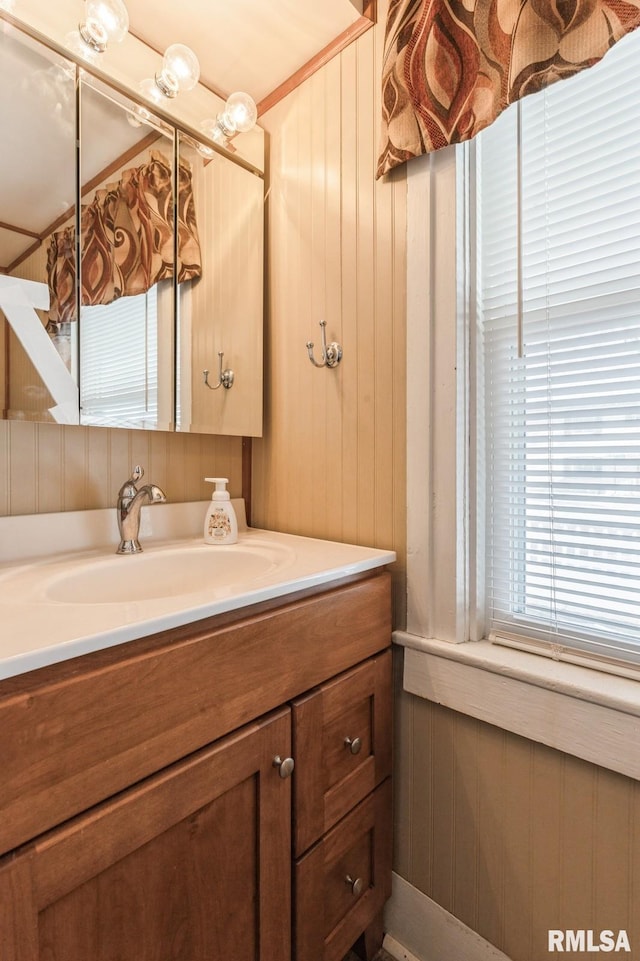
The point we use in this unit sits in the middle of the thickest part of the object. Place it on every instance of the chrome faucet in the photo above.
(130, 500)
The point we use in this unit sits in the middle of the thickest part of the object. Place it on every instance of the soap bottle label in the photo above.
(219, 523)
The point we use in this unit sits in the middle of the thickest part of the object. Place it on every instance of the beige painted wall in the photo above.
(332, 460)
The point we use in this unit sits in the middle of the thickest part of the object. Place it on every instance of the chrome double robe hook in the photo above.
(225, 377)
(331, 355)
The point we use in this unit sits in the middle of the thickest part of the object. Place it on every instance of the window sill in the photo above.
(587, 713)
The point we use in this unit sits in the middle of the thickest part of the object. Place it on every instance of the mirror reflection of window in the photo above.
(119, 385)
(127, 245)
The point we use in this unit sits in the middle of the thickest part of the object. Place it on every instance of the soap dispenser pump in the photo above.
(220, 523)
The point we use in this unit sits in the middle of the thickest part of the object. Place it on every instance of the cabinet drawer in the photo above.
(342, 746)
(341, 884)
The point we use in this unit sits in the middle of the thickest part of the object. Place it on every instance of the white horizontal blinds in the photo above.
(119, 362)
(563, 422)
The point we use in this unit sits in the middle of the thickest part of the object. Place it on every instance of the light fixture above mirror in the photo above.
(180, 70)
(239, 116)
(105, 20)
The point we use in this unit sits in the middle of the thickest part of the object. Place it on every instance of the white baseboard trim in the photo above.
(397, 950)
(418, 929)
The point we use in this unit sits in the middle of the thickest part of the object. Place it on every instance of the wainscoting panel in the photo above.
(512, 837)
(48, 467)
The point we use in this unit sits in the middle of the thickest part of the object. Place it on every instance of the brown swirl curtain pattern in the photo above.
(451, 66)
(127, 240)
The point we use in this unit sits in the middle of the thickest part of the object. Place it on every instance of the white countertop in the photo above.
(44, 620)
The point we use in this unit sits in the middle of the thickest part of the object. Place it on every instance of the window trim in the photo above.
(553, 592)
(577, 710)
(587, 712)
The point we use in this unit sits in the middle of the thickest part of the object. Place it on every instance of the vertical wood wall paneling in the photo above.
(332, 461)
(578, 824)
(247, 476)
(349, 193)
(517, 830)
(48, 467)
(22, 460)
(513, 837)
(422, 790)
(365, 295)
(466, 854)
(546, 846)
(318, 268)
(612, 869)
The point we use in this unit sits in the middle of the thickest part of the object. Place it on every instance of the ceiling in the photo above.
(249, 45)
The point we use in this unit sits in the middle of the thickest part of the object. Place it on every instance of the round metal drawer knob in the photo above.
(355, 885)
(285, 765)
(355, 745)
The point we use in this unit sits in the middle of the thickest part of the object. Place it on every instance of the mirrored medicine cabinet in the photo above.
(131, 259)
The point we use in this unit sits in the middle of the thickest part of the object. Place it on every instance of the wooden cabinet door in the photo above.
(192, 863)
(342, 745)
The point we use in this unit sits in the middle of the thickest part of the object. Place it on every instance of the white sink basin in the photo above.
(169, 573)
(74, 600)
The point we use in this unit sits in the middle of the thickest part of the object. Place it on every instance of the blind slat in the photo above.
(119, 361)
(562, 424)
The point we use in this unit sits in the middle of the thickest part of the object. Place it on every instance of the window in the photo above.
(119, 362)
(556, 189)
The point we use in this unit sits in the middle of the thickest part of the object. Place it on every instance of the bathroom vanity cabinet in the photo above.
(147, 809)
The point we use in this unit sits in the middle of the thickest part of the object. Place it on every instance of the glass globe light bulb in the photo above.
(240, 112)
(149, 90)
(78, 45)
(180, 70)
(211, 129)
(105, 20)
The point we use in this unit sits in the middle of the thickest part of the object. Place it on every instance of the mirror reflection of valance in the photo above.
(127, 239)
(452, 66)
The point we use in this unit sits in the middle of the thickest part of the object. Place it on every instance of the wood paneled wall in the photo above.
(512, 837)
(48, 467)
(332, 460)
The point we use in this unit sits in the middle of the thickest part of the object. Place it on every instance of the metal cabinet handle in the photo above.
(355, 885)
(354, 745)
(285, 765)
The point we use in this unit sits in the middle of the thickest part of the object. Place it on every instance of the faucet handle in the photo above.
(129, 488)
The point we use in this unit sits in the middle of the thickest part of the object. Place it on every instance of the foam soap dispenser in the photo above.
(220, 523)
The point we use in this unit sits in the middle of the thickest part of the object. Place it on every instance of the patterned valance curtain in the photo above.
(452, 66)
(127, 240)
